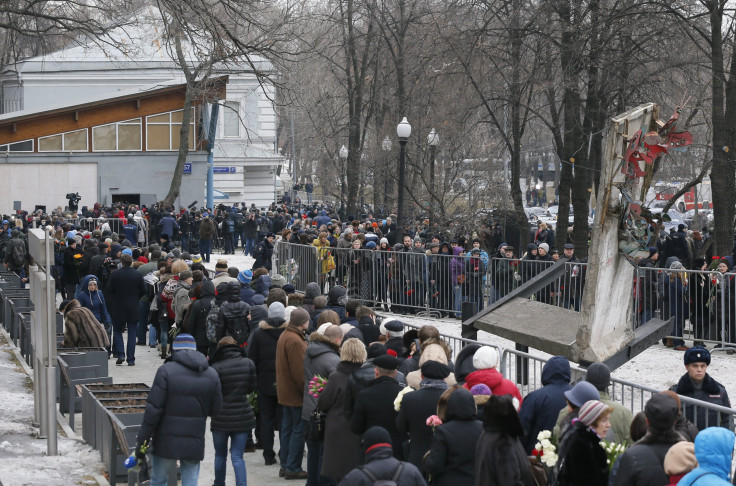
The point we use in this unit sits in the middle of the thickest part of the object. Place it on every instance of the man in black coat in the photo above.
(184, 393)
(375, 404)
(418, 406)
(262, 350)
(698, 384)
(381, 464)
(196, 320)
(643, 463)
(125, 289)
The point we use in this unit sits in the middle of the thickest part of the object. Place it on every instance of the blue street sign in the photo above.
(224, 170)
(187, 168)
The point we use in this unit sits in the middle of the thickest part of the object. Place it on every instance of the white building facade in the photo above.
(246, 158)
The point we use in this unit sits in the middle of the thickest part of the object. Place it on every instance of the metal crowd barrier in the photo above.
(702, 302)
(415, 282)
(115, 224)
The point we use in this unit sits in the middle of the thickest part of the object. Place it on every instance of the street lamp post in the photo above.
(386, 146)
(432, 140)
(344, 157)
(403, 131)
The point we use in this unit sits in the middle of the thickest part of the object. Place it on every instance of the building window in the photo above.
(124, 135)
(163, 131)
(231, 119)
(75, 141)
(24, 146)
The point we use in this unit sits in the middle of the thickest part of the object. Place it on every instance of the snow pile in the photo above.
(23, 459)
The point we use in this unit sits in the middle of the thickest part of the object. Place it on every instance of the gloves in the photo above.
(140, 450)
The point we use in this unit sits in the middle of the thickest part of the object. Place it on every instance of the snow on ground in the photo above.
(23, 459)
(657, 367)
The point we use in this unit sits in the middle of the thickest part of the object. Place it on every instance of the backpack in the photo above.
(17, 254)
(230, 226)
(394, 481)
(211, 323)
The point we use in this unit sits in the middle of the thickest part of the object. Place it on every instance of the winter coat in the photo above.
(416, 408)
(375, 406)
(713, 450)
(206, 229)
(360, 379)
(237, 378)
(169, 226)
(232, 320)
(181, 301)
(246, 294)
(382, 464)
(94, 301)
(125, 289)
(262, 350)
(196, 322)
(711, 392)
(451, 459)
(261, 286)
(263, 253)
(184, 393)
(620, 419)
(81, 328)
(496, 382)
(321, 358)
(290, 352)
(582, 461)
(539, 410)
(643, 463)
(250, 228)
(500, 460)
(342, 446)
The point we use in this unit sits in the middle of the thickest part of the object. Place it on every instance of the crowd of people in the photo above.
(369, 399)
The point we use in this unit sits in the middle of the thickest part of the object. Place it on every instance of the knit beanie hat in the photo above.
(376, 436)
(590, 411)
(276, 310)
(184, 341)
(680, 458)
(481, 389)
(544, 246)
(599, 375)
(661, 411)
(245, 277)
(485, 358)
(287, 311)
(435, 370)
(196, 258)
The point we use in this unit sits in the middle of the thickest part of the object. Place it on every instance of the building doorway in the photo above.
(127, 199)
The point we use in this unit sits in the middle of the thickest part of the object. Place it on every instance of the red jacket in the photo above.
(496, 382)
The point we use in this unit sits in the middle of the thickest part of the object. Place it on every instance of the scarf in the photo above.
(433, 383)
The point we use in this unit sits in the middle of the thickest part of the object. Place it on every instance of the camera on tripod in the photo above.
(74, 199)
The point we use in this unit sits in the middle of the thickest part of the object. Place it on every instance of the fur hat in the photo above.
(696, 354)
(435, 370)
(221, 265)
(485, 358)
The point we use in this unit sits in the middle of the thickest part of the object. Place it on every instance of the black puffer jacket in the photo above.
(451, 459)
(184, 393)
(382, 464)
(238, 379)
(262, 350)
(643, 463)
(233, 317)
(196, 322)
